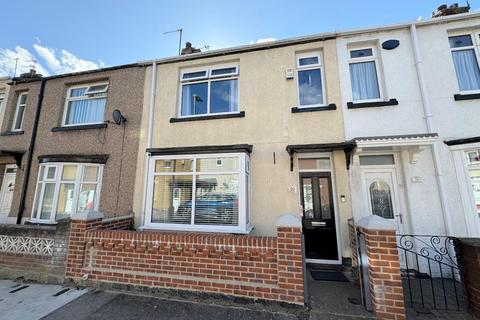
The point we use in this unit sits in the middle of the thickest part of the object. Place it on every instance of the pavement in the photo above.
(328, 300)
(21, 301)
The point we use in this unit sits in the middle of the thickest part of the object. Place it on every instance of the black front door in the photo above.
(318, 216)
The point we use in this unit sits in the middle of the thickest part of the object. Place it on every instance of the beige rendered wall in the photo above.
(269, 125)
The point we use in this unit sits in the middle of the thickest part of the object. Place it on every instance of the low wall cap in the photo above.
(374, 222)
(289, 220)
(88, 215)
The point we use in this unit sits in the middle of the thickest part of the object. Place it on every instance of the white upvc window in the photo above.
(364, 74)
(310, 80)
(207, 192)
(66, 188)
(465, 54)
(207, 91)
(17, 124)
(473, 168)
(85, 104)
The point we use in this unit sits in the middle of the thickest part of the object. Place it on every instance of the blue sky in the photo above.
(65, 36)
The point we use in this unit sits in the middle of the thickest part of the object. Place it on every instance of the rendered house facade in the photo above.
(219, 136)
(402, 157)
(78, 155)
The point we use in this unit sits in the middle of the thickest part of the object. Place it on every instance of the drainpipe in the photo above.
(26, 173)
(431, 129)
(151, 113)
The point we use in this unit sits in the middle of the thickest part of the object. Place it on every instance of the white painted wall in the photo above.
(452, 119)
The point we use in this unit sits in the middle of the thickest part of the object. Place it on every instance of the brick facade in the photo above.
(468, 255)
(34, 252)
(385, 281)
(269, 268)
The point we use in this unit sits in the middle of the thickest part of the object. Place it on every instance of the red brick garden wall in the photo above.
(468, 253)
(268, 268)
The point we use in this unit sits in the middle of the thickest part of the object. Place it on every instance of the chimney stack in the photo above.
(189, 49)
(444, 10)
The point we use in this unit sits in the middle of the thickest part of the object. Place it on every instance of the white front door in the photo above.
(6, 192)
(382, 196)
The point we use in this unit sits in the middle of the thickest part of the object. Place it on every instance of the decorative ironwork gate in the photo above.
(430, 272)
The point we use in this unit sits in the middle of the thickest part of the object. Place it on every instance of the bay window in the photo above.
(310, 80)
(209, 91)
(85, 104)
(205, 192)
(465, 59)
(364, 74)
(66, 188)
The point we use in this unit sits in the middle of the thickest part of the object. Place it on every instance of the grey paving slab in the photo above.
(33, 301)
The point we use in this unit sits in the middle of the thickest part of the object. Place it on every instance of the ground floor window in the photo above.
(199, 192)
(66, 188)
(473, 166)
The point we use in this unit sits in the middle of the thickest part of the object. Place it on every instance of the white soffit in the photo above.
(397, 141)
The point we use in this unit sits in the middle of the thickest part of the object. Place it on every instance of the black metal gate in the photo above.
(430, 272)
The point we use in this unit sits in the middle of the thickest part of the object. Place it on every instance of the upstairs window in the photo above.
(17, 124)
(2, 97)
(464, 52)
(364, 74)
(209, 91)
(66, 188)
(85, 104)
(310, 80)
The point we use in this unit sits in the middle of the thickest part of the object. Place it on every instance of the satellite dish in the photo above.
(117, 116)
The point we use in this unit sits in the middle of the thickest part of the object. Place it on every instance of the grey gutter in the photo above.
(19, 80)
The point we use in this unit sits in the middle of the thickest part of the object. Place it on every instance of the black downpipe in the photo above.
(26, 173)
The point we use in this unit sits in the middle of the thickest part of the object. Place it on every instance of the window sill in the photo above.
(80, 127)
(41, 223)
(353, 105)
(198, 228)
(11, 133)
(469, 96)
(331, 106)
(240, 114)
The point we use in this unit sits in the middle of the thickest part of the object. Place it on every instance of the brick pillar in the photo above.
(385, 283)
(291, 280)
(355, 271)
(468, 257)
(81, 223)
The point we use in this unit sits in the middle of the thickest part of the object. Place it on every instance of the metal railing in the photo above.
(430, 272)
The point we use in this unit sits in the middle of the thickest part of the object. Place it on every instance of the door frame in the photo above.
(328, 155)
(397, 170)
(14, 174)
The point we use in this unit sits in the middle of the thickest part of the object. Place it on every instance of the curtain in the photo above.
(466, 67)
(86, 111)
(187, 101)
(364, 80)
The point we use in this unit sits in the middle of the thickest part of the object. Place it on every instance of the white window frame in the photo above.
(316, 66)
(209, 79)
(475, 36)
(58, 181)
(86, 96)
(374, 58)
(243, 227)
(17, 113)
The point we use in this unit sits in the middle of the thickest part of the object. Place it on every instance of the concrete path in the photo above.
(32, 301)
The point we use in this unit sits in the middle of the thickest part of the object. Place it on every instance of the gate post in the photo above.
(384, 278)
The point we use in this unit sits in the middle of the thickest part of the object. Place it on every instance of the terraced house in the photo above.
(63, 152)
(239, 166)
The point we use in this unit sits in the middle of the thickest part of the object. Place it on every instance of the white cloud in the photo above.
(25, 61)
(48, 61)
(263, 40)
(64, 61)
